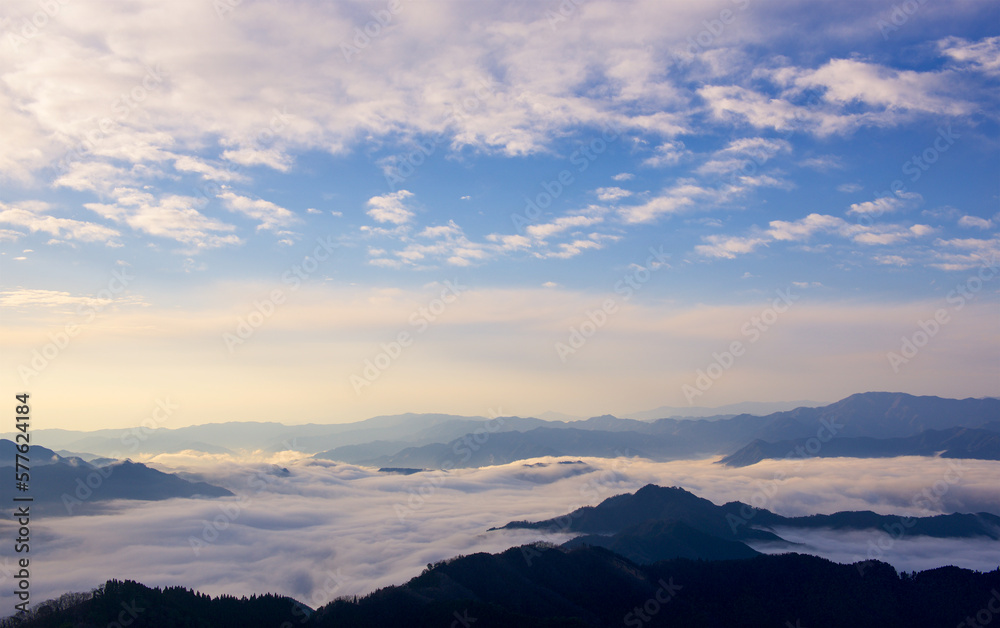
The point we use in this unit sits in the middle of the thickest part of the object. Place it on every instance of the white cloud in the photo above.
(96, 176)
(885, 204)
(623, 176)
(983, 54)
(271, 158)
(893, 260)
(171, 216)
(975, 222)
(391, 208)
(186, 163)
(729, 247)
(612, 193)
(824, 163)
(546, 230)
(41, 298)
(271, 216)
(36, 217)
(672, 200)
(848, 81)
(849, 188)
(802, 229)
(667, 154)
(966, 253)
(761, 148)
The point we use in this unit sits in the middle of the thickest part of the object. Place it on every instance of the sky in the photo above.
(322, 212)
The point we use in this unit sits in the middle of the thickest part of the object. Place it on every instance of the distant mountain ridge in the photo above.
(66, 486)
(440, 440)
(758, 408)
(865, 415)
(956, 442)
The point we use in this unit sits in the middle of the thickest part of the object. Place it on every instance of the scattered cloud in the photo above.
(171, 216)
(667, 154)
(269, 215)
(391, 208)
(37, 217)
(975, 222)
(612, 194)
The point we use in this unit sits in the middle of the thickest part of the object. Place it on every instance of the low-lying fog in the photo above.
(326, 529)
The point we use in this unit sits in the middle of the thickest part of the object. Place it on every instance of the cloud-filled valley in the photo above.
(327, 529)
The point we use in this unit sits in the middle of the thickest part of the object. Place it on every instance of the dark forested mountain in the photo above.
(541, 586)
(738, 521)
(128, 603)
(653, 541)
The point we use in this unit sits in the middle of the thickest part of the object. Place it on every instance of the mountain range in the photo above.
(68, 486)
(862, 425)
(873, 424)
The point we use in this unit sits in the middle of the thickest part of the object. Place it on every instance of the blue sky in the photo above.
(847, 153)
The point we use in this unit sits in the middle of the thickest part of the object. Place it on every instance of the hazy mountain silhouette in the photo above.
(956, 442)
(67, 486)
(865, 415)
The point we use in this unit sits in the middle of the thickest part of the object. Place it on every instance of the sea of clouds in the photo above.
(317, 530)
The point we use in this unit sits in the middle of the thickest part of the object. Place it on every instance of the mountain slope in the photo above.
(653, 541)
(621, 512)
(956, 442)
(68, 486)
(538, 586)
